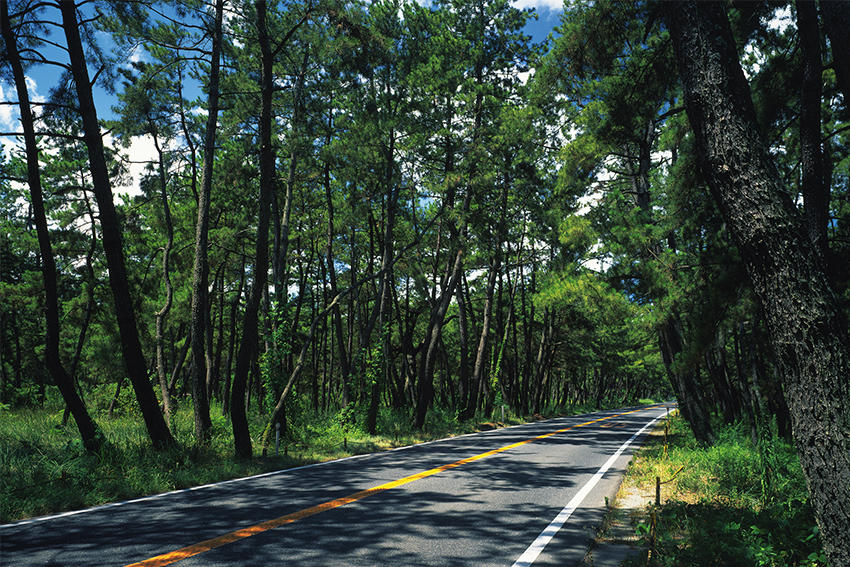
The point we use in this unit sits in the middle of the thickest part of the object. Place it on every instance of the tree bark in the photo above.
(92, 439)
(483, 339)
(169, 288)
(807, 329)
(344, 359)
(200, 269)
(438, 314)
(836, 19)
(815, 189)
(238, 417)
(685, 383)
(111, 232)
(234, 311)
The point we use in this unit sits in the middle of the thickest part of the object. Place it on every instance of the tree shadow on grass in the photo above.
(711, 534)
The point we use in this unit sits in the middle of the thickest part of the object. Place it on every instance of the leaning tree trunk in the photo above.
(807, 329)
(426, 370)
(92, 440)
(111, 232)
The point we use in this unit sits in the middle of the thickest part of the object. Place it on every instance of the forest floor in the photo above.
(44, 468)
(737, 502)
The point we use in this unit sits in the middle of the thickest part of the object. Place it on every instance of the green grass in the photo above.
(44, 468)
(734, 503)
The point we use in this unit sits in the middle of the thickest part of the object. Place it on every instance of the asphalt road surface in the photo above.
(530, 494)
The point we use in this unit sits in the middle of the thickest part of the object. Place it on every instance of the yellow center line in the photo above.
(207, 545)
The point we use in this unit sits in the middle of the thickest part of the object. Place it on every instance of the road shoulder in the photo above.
(617, 542)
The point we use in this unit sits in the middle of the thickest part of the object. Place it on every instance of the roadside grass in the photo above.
(736, 503)
(44, 468)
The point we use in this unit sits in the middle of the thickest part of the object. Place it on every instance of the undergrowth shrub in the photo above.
(735, 503)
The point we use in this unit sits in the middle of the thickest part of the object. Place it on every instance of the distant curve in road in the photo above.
(526, 495)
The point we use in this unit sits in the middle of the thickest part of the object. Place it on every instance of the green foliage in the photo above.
(44, 468)
(715, 512)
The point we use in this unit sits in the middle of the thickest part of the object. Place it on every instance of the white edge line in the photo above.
(262, 475)
(533, 552)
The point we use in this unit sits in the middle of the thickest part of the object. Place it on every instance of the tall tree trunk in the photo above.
(169, 288)
(383, 305)
(90, 301)
(92, 439)
(481, 350)
(212, 366)
(234, 312)
(542, 361)
(111, 231)
(282, 222)
(200, 269)
(344, 359)
(836, 19)
(807, 329)
(463, 338)
(684, 380)
(438, 314)
(815, 189)
(215, 367)
(238, 417)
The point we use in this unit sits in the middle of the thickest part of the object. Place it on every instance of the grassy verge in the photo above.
(735, 503)
(44, 469)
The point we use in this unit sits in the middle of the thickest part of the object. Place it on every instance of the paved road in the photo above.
(531, 494)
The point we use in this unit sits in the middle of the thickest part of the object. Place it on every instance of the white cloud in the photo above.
(32, 89)
(7, 115)
(525, 75)
(540, 5)
(140, 153)
(9, 121)
(137, 55)
(10, 116)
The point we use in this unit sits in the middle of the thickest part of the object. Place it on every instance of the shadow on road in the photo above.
(484, 512)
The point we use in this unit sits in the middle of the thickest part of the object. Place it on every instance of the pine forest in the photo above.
(223, 219)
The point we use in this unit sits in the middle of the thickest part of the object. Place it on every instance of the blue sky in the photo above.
(548, 16)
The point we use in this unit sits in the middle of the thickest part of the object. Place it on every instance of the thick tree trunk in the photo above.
(381, 311)
(92, 439)
(542, 361)
(111, 231)
(200, 269)
(806, 326)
